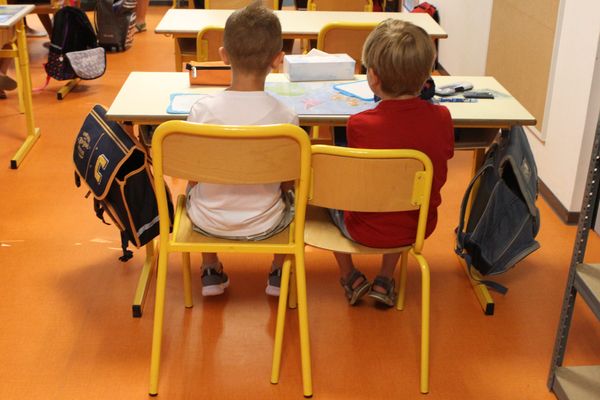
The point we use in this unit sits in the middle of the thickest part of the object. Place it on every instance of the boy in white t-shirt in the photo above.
(252, 45)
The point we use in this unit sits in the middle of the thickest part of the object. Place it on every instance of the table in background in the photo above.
(184, 24)
(11, 22)
(145, 96)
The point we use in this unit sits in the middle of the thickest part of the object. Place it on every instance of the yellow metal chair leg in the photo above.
(159, 311)
(425, 311)
(187, 281)
(33, 133)
(293, 297)
(303, 325)
(280, 324)
(144, 281)
(402, 281)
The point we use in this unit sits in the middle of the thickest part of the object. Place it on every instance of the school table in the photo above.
(145, 97)
(184, 24)
(11, 23)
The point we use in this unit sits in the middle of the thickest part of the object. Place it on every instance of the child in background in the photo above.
(252, 45)
(399, 57)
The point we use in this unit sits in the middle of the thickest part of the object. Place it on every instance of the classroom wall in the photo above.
(573, 103)
(467, 23)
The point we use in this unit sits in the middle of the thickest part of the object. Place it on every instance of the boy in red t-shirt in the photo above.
(399, 57)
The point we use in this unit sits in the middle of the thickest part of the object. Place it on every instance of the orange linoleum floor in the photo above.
(65, 304)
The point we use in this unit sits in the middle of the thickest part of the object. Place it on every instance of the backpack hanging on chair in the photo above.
(116, 169)
(503, 220)
(74, 51)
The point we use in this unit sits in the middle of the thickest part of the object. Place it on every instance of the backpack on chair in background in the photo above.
(115, 24)
(74, 51)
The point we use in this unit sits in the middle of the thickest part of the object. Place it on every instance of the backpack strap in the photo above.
(127, 254)
(461, 236)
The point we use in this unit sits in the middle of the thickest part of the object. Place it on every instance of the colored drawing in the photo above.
(316, 98)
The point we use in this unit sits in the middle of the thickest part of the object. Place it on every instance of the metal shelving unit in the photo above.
(579, 382)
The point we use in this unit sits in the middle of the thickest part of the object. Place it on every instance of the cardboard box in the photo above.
(318, 66)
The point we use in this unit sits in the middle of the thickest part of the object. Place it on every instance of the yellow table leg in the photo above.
(481, 291)
(33, 133)
(63, 91)
(146, 275)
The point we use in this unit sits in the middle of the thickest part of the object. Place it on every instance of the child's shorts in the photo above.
(286, 219)
(337, 216)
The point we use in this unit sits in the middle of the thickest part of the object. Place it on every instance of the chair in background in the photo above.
(208, 42)
(232, 155)
(342, 37)
(339, 5)
(373, 181)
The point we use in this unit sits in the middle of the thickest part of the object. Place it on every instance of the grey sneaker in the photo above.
(274, 283)
(214, 282)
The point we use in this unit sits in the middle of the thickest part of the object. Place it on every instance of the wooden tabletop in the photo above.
(145, 96)
(187, 22)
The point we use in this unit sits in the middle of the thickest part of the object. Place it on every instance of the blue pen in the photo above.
(456, 100)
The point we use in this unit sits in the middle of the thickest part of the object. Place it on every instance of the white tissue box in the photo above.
(321, 67)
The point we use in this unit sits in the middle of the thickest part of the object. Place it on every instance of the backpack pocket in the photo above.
(88, 64)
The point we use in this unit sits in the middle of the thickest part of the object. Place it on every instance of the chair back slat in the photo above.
(342, 179)
(223, 158)
(340, 5)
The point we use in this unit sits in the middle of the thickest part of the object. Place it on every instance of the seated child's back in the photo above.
(252, 45)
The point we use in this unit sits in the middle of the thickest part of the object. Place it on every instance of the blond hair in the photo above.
(252, 38)
(401, 54)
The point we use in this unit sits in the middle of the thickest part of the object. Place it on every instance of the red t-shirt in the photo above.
(401, 124)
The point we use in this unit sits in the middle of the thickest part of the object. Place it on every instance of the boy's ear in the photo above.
(277, 60)
(224, 56)
(373, 79)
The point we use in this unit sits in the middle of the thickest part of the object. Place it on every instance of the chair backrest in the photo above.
(230, 154)
(340, 5)
(208, 42)
(235, 4)
(345, 37)
(371, 180)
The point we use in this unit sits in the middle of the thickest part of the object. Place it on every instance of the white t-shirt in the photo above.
(238, 210)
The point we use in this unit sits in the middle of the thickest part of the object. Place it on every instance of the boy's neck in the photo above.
(403, 97)
(247, 82)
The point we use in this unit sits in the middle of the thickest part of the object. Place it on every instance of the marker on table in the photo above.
(456, 100)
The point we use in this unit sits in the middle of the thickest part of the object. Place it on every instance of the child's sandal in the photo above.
(353, 294)
(388, 297)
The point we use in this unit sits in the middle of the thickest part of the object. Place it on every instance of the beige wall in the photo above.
(520, 49)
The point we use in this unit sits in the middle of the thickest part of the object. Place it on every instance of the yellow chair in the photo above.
(208, 42)
(232, 155)
(373, 181)
(345, 37)
(340, 5)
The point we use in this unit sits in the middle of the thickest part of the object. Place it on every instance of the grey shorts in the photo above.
(337, 216)
(286, 219)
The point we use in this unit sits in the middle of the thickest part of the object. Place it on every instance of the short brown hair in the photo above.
(401, 54)
(252, 37)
